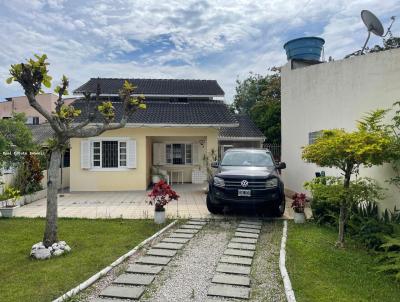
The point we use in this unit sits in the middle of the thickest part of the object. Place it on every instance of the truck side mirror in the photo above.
(214, 164)
(281, 165)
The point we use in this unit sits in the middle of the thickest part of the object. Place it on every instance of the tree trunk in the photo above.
(50, 233)
(343, 209)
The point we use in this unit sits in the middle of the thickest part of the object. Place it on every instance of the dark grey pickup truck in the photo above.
(247, 178)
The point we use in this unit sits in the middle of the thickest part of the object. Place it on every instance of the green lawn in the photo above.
(95, 244)
(321, 272)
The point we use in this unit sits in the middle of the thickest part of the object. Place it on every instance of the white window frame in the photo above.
(184, 153)
(100, 140)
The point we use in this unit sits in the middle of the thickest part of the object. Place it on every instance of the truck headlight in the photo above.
(219, 182)
(271, 183)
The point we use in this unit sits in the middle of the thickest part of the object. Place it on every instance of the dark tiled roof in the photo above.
(194, 112)
(246, 128)
(41, 133)
(154, 86)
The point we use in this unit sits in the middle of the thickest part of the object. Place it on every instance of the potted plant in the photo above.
(160, 196)
(12, 196)
(298, 205)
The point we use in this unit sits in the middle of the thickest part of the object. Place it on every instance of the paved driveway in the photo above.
(192, 204)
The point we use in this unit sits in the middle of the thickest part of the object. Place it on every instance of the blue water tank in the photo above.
(306, 48)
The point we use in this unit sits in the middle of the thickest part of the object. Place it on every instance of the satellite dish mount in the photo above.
(373, 25)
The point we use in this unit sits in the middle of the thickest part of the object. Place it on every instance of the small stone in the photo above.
(67, 248)
(55, 246)
(42, 254)
(58, 252)
(62, 243)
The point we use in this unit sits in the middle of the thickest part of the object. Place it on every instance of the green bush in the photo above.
(29, 175)
(390, 259)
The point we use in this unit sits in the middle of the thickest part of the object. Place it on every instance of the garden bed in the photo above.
(321, 272)
(26, 199)
(95, 244)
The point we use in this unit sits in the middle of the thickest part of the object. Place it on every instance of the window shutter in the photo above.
(85, 154)
(196, 154)
(159, 156)
(131, 154)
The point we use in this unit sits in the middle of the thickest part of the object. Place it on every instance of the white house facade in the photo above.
(335, 95)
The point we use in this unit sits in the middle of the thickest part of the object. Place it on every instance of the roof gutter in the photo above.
(142, 125)
(159, 95)
(255, 138)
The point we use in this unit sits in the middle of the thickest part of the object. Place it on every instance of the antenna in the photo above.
(373, 25)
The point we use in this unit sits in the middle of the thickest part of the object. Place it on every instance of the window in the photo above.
(179, 154)
(109, 154)
(312, 136)
(35, 120)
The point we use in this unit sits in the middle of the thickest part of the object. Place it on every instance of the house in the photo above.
(177, 133)
(335, 95)
(20, 104)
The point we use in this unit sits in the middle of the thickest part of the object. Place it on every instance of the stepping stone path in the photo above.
(232, 277)
(132, 284)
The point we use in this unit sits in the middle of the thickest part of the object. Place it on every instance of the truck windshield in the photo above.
(248, 159)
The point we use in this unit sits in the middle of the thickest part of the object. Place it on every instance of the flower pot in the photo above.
(7, 212)
(299, 217)
(159, 217)
(155, 179)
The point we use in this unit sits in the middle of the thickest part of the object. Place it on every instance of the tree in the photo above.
(369, 145)
(15, 137)
(32, 75)
(260, 97)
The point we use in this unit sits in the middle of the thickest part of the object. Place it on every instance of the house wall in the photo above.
(335, 95)
(20, 104)
(131, 179)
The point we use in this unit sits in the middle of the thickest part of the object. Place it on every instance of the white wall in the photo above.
(335, 95)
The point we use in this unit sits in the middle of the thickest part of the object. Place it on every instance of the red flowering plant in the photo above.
(299, 202)
(161, 195)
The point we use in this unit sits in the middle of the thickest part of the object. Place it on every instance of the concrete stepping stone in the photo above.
(168, 246)
(246, 235)
(229, 291)
(236, 260)
(161, 253)
(191, 227)
(231, 279)
(134, 279)
(144, 269)
(175, 240)
(108, 300)
(186, 231)
(242, 246)
(123, 292)
(250, 226)
(179, 235)
(233, 269)
(255, 222)
(239, 253)
(153, 260)
(196, 222)
(244, 240)
(245, 230)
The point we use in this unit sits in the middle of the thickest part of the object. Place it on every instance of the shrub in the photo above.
(29, 175)
(390, 259)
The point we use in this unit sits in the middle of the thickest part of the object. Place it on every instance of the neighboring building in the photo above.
(20, 104)
(335, 95)
(179, 128)
(246, 135)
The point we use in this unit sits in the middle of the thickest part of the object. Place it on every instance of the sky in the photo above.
(204, 39)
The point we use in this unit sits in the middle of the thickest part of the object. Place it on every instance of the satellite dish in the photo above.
(372, 23)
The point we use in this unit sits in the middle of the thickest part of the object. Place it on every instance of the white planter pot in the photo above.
(1, 189)
(159, 217)
(299, 217)
(7, 212)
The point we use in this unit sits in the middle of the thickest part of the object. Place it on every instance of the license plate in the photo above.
(246, 193)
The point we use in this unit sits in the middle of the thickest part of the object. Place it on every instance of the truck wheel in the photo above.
(280, 209)
(214, 209)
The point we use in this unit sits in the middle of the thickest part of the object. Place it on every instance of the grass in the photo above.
(95, 244)
(321, 272)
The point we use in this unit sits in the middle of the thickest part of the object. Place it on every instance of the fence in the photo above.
(275, 150)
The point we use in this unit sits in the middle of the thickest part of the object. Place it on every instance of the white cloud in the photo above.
(215, 39)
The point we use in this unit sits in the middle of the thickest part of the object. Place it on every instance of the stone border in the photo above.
(282, 267)
(105, 270)
(26, 199)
